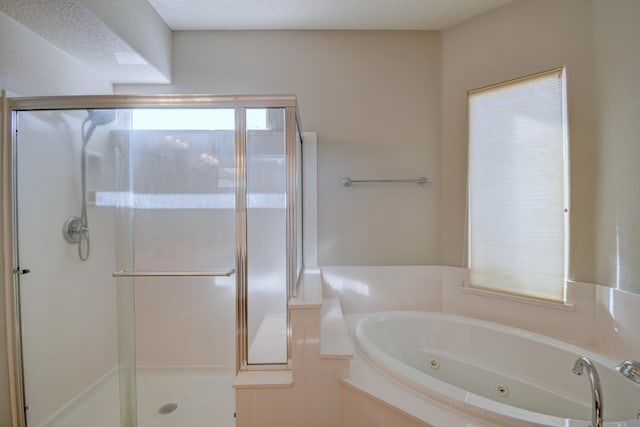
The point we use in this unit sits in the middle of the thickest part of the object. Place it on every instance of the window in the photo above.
(518, 187)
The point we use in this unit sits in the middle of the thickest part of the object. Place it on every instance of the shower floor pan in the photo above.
(166, 397)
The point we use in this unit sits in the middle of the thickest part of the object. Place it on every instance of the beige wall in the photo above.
(373, 98)
(596, 40)
(617, 83)
(516, 40)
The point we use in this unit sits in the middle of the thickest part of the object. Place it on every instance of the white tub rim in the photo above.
(461, 399)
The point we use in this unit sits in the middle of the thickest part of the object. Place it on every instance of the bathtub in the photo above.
(499, 373)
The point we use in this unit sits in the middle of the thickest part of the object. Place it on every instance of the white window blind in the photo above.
(518, 187)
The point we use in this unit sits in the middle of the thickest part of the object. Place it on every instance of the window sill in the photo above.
(515, 298)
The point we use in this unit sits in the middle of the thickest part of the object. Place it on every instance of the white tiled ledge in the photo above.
(334, 335)
(309, 291)
(263, 379)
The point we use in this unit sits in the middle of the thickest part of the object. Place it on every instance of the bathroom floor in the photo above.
(166, 397)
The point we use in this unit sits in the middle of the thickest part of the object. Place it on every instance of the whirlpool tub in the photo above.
(499, 373)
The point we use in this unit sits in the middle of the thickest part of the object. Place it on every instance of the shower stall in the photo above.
(150, 245)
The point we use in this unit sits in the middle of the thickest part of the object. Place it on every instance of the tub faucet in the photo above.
(583, 363)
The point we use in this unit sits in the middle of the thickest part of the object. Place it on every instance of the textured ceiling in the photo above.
(68, 25)
(73, 28)
(319, 14)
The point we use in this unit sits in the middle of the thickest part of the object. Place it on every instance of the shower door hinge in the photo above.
(21, 271)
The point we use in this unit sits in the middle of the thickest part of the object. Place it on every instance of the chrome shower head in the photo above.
(95, 118)
(101, 117)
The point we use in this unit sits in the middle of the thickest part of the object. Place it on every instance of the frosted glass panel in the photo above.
(182, 189)
(182, 192)
(266, 246)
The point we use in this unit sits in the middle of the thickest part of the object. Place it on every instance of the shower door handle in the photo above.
(173, 273)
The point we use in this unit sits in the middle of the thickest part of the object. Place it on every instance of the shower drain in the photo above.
(168, 408)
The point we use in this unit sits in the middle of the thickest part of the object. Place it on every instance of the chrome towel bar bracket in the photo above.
(347, 182)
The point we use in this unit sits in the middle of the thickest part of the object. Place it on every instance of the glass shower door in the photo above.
(179, 167)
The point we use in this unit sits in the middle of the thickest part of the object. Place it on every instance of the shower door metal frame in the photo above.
(10, 263)
(10, 277)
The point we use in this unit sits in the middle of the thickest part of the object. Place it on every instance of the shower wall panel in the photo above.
(68, 306)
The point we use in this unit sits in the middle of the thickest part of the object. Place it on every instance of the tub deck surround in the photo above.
(335, 388)
(361, 410)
